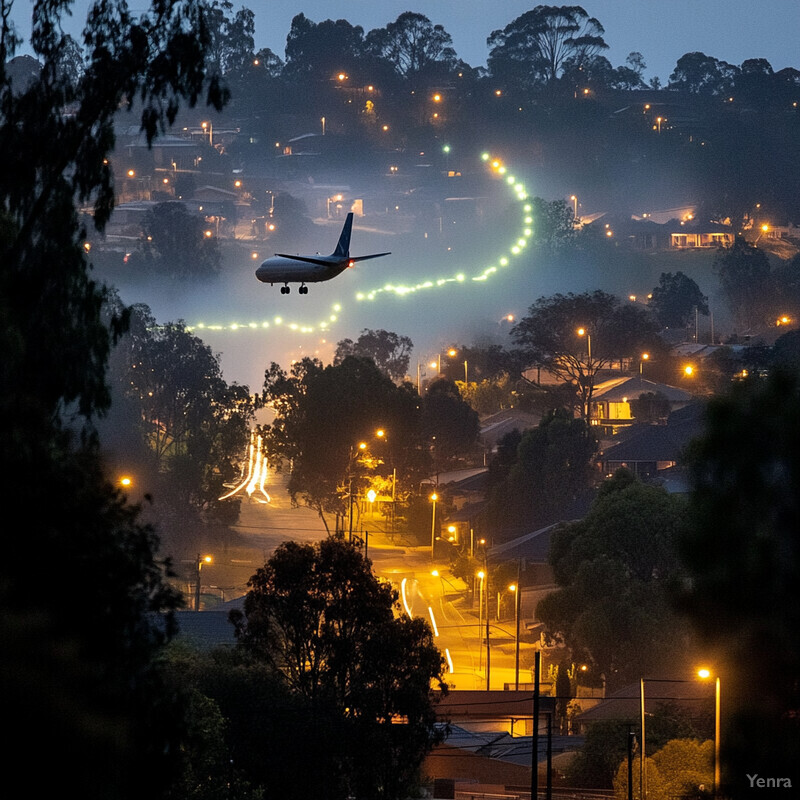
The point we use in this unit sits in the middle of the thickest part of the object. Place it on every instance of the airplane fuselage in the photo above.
(285, 269)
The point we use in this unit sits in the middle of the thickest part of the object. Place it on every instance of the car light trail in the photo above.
(405, 598)
(433, 621)
(515, 249)
(256, 475)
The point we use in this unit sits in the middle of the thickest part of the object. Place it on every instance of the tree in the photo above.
(602, 761)
(317, 614)
(614, 569)
(745, 280)
(231, 42)
(631, 76)
(550, 477)
(676, 299)
(756, 83)
(249, 735)
(650, 408)
(413, 46)
(741, 556)
(321, 50)
(697, 73)
(554, 228)
(389, 351)
(575, 336)
(679, 769)
(70, 62)
(786, 278)
(80, 674)
(449, 425)
(191, 426)
(175, 244)
(534, 48)
(322, 415)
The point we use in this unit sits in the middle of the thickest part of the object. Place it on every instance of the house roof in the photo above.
(625, 704)
(621, 389)
(533, 546)
(660, 442)
(213, 192)
(460, 478)
(498, 425)
(505, 747)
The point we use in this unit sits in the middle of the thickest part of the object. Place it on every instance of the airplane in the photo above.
(285, 269)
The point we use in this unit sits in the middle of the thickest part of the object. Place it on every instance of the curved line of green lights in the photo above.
(401, 290)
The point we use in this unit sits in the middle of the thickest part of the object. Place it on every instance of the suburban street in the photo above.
(442, 599)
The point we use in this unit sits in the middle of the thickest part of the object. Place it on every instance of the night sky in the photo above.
(465, 311)
(730, 30)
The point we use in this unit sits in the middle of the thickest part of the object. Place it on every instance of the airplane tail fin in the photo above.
(343, 248)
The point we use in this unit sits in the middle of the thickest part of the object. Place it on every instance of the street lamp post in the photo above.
(481, 575)
(200, 561)
(588, 390)
(434, 498)
(643, 755)
(488, 646)
(584, 332)
(515, 587)
(705, 674)
(361, 446)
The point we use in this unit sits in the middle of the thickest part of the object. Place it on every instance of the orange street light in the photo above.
(705, 674)
(585, 332)
(434, 498)
(200, 561)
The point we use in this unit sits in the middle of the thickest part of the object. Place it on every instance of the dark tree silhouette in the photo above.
(743, 560)
(79, 676)
(318, 615)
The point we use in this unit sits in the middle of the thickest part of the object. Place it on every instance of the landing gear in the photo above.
(285, 290)
(303, 289)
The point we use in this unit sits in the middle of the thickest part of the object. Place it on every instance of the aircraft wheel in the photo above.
(304, 290)
(285, 290)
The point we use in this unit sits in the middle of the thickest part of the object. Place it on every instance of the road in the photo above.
(442, 599)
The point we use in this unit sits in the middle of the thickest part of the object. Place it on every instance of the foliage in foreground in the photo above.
(615, 569)
(317, 616)
(742, 554)
(81, 692)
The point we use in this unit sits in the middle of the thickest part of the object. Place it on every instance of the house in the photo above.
(655, 451)
(692, 234)
(611, 400)
(488, 745)
(650, 231)
(693, 696)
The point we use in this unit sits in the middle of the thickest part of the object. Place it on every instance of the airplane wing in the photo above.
(364, 258)
(322, 262)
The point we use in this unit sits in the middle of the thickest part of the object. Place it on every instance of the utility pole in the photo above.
(517, 606)
(631, 743)
(537, 666)
(488, 648)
